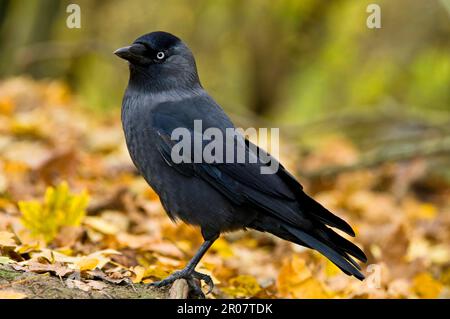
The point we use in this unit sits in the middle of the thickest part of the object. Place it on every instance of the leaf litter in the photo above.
(73, 206)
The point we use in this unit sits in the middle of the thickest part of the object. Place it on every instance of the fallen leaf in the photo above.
(73, 283)
(422, 248)
(5, 260)
(139, 273)
(12, 294)
(87, 263)
(155, 272)
(7, 239)
(222, 247)
(97, 273)
(295, 280)
(101, 225)
(33, 266)
(425, 286)
(242, 286)
(96, 284)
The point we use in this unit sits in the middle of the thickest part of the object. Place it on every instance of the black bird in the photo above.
(164, 93)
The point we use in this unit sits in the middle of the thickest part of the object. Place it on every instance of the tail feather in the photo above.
(334, 239)
(352, 261)
(341, 260)
(324, 215)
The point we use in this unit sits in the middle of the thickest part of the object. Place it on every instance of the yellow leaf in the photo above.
(311, 288)
(6, 239)
(29, 247)
(60, 208)
(425, 286)
(426, 211)
(22, 128)
(139, 273)
(87, 263)
(155, 272)
(295, 280)
(102, 256)
(7, 105)
(292, 272)
(222, 247)
(331, 269)
(11, 294)
(242, 286)
(445, 277)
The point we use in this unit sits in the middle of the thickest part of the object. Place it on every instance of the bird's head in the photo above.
(160, 61)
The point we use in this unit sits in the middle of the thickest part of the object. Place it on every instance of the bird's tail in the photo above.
(323, 239)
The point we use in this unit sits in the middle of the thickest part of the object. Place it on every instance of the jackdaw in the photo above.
(164, 93)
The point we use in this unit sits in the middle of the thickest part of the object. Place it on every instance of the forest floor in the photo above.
(16, 284)
(77, 221)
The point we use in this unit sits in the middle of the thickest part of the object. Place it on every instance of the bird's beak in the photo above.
(123, 53)
(133, 53)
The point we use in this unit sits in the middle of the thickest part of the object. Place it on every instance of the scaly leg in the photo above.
(189, 272)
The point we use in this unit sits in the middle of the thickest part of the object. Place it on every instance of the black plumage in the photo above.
(164, 93)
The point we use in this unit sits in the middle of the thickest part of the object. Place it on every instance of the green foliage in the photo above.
(60, 208)
(430, 80)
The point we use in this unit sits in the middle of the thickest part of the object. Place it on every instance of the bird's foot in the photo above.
(193, 278)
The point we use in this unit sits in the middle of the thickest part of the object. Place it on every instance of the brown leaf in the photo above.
(7, 239)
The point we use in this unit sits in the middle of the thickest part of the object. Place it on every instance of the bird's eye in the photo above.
(160, 55)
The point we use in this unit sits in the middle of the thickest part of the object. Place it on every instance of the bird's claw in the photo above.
(193, 278)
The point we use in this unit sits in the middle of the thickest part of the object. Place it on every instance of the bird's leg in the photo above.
(189, 272)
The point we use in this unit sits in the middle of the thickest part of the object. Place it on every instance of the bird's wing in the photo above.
(238, 182)
(278, 194)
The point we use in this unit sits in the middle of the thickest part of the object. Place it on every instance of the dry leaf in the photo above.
(87, 263)
(101, 225)
(139, 273)
(5, 260)
(242, 286)
(222, 247)
(96, 284)
(12, 294)
(78, 284)
(7, 239)
(33, 266)
(295, 280)
(425, 286)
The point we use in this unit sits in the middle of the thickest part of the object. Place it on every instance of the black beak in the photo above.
(134, 53)
(123, 53)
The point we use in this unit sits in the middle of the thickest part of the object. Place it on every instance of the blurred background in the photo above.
(364, 117)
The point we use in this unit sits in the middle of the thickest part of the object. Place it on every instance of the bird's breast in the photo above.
(186, 197)
(139, 136)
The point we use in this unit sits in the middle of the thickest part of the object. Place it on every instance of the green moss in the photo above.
(8, 274)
